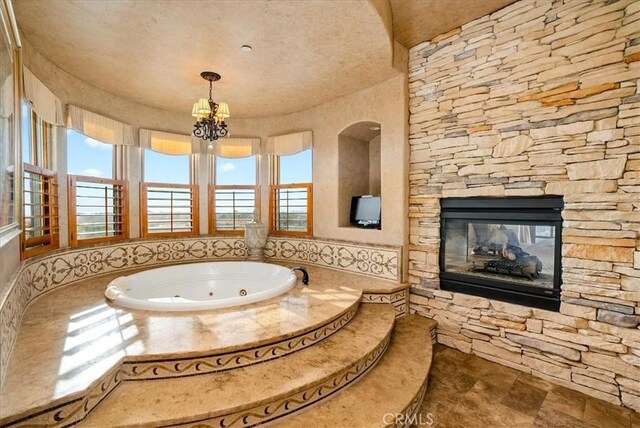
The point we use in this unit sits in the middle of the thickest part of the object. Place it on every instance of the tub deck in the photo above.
(71, 339)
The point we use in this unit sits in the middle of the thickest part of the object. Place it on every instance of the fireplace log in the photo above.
(504, 259)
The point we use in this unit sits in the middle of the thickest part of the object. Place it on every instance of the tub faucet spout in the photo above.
(305, 275)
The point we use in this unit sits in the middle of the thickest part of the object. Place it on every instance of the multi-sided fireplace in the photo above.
(503, 248)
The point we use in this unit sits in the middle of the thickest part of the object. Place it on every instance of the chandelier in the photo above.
(210, 115)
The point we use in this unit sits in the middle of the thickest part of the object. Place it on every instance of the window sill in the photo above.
(8, 233)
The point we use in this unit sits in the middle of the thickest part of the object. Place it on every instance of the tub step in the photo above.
(395, 386)
(258, 393)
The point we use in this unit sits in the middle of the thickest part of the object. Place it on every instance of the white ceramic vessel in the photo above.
(198, 286)
(255, 236)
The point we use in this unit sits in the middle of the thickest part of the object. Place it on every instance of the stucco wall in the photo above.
(384, 103)
(539, 98)
(374, 166)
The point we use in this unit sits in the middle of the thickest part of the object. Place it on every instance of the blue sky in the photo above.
(236, 171)
(296, 168)
(86, 156)
(161, 168)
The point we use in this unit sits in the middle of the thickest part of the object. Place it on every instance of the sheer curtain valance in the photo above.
(289, 144)
(170, 143)
(42, 100)
(98, 127)
(236, 147)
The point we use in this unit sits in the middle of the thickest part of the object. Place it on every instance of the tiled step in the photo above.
(388, 395)
(73, 349)
(253, 394)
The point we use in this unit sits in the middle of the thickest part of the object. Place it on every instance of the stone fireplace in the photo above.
(536, 99)
(503, 248)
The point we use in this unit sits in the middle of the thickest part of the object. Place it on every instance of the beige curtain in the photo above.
(100, 128)
(169, 143)
(42, 100)
(236, 147)
(289, 144)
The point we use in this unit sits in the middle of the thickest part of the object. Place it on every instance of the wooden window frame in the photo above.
(212, 206)
(34, 246)
(144, 220)
(274, 177)
(72, 213)
(273, 189)
(211, 195)
(41, 158)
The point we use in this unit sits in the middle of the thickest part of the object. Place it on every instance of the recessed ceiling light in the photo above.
(375, 128)
(246, 48)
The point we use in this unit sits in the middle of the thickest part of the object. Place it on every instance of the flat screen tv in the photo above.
(365, 211)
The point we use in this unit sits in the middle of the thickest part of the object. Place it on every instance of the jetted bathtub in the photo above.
(198, 286)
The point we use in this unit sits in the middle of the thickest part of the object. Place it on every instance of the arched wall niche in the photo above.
(359, 167)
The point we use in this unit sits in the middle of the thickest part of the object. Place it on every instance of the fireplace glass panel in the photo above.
(516, 253)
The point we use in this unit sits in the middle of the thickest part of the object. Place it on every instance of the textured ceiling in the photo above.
(416, 21)
(304, 53)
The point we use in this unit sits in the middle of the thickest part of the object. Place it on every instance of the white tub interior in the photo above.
(200, 286)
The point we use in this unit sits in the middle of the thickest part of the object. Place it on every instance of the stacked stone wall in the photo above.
(539, 98)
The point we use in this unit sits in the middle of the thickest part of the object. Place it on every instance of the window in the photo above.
(291, 196)
(89, 157)
(162, 168)
(9, 184)
(98, 203)
(296, 168)
(234, 195)
(36, 138)
(98, 210)
(40, 231)
(168, 202)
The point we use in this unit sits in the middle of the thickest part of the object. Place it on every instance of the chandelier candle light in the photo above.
(210, 115)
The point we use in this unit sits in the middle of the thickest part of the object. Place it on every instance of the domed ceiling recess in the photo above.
(304, 53)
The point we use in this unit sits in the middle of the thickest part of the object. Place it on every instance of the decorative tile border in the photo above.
(411, 410)
(377, 261)
(180, 367)
(399, 300)
(66, 266)
(413, 407)
(285, 406)
(72, 410)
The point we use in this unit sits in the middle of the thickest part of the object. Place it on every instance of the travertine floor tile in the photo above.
(601, 413)
(466, 391)
(567, 401)
(549, 417)
(481, 407)
(524, 397)
(536, 381)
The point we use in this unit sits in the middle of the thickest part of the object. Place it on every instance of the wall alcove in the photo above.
(358, 165)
